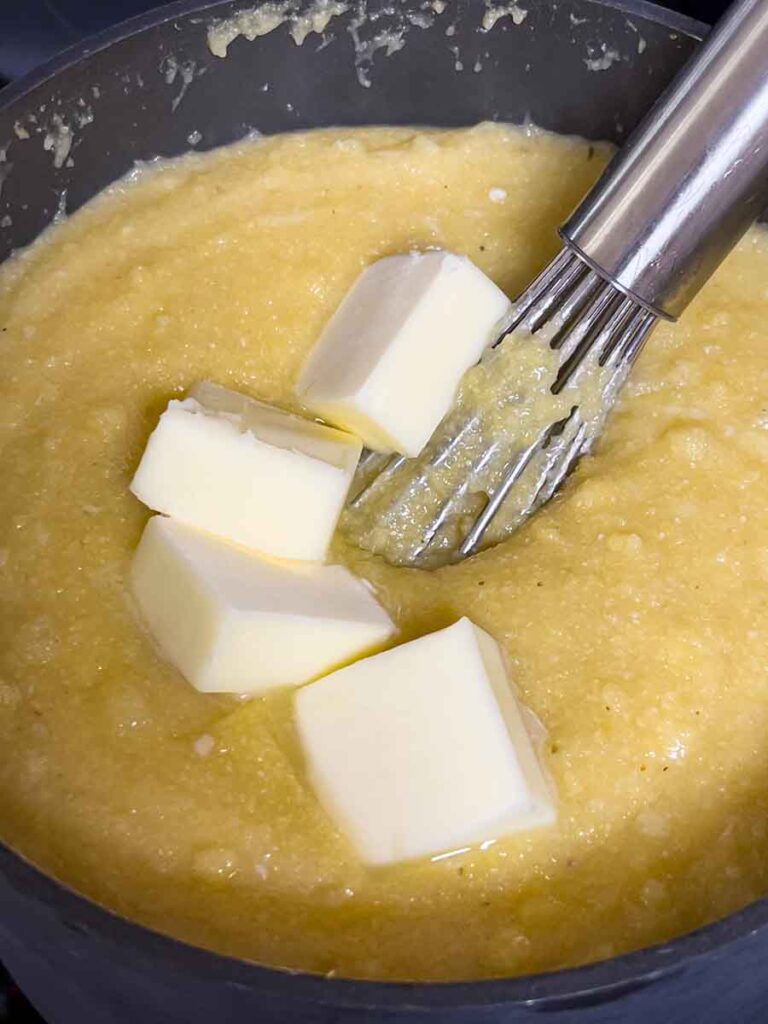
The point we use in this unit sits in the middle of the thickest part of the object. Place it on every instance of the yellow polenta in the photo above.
(634, 608)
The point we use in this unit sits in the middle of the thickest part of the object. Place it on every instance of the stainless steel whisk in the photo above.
(664, 214)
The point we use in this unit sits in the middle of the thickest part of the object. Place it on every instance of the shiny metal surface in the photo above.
(693, 175)
(599, 333)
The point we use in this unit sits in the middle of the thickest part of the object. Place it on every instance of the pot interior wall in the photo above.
(576, 67)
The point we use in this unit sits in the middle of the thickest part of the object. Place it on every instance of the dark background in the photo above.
(33, 30)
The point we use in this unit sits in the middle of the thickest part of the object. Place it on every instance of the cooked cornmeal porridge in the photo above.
(632, 608)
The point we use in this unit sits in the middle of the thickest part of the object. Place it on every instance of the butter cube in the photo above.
(388, 364)
(231, 621)
(423, 749)
(248, 472)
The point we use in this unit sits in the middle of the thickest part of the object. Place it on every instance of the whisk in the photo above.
(666, 211)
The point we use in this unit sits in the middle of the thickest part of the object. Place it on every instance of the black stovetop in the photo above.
(14, 1009)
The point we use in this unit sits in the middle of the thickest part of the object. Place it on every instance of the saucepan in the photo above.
(153, 87)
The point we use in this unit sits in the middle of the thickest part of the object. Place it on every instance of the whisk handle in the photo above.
(693, 175)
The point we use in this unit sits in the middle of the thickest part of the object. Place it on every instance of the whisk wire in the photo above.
(598, 332)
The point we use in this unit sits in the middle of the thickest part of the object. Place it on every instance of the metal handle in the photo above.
(693, 176)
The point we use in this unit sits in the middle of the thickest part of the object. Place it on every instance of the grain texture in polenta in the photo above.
(633, 608)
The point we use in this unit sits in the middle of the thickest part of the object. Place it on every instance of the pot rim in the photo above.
(604, 979)
(91, 44)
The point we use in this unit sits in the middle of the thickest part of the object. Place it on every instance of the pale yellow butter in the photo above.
(248, 472)
(423, 749)
(231, 621)
(389, 361)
